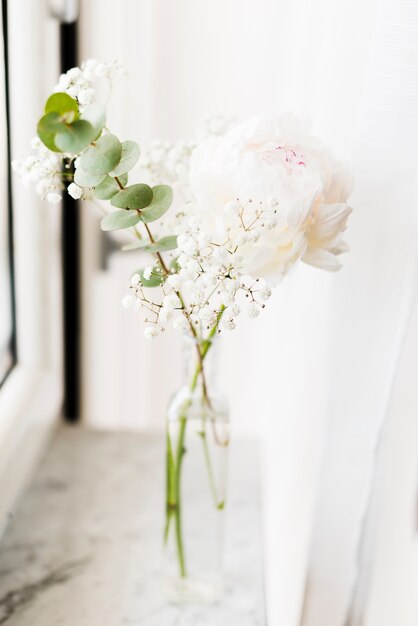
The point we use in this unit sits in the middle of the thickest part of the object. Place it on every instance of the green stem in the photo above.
(219, 504)
(177, 510)
(174, 465)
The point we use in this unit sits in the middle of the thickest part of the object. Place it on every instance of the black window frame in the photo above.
(9, 195)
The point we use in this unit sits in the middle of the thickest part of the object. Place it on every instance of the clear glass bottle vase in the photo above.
(196, 466)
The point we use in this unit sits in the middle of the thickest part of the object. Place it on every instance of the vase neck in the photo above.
(200, 364)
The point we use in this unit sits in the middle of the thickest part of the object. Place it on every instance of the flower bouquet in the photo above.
(221, 220)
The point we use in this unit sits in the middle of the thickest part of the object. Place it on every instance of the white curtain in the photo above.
(312, 376)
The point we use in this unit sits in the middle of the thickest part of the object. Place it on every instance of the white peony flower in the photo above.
(258, 160)
(269, 178)
(327, 222)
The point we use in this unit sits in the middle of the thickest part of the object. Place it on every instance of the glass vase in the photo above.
(197, 438)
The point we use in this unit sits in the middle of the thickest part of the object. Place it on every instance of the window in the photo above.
(7, 326)
(31, 375)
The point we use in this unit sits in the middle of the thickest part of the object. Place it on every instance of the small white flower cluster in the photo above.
(43, 169)
(79, 82)
(168, 162)
(207, 285)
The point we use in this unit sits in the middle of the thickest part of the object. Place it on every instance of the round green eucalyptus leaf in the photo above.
(164, 244)
(51, 122)
(130, 155)
(95, 114)
(109, 187)
(102, 156)
(64, 105)
(85, 179)
(162, 197)
(74, 137)
(156, 279)
(119, 220)
(134, 197)
(47, 128)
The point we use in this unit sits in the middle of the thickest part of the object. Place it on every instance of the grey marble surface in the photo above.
(84, 548)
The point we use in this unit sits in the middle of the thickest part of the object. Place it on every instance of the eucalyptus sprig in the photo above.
(102, 163)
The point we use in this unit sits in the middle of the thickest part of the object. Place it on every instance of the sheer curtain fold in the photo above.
(382, 273)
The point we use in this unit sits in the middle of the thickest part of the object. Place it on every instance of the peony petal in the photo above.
(322, 259)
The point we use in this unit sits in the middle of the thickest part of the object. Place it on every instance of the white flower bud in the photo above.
(190, 247)
(74, 73)
(264, 293)
(75, 191)
(180, 323)
(64, 81)
(228, 323)
(73, 91)
(43, 187)
(234, 310)
(165, 314)
(86, 96)
(174, 281)
(171, 301)
(183, 259)
(135, 280)
(150, 332)
(128, 301)
(147, 272)
(186, 275)
(54, 198)
(193, 266)
(207, 315)
(253, 310)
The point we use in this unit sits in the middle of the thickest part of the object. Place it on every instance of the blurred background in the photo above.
(325, 380)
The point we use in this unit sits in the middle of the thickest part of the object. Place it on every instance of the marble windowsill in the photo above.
(84, 547)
